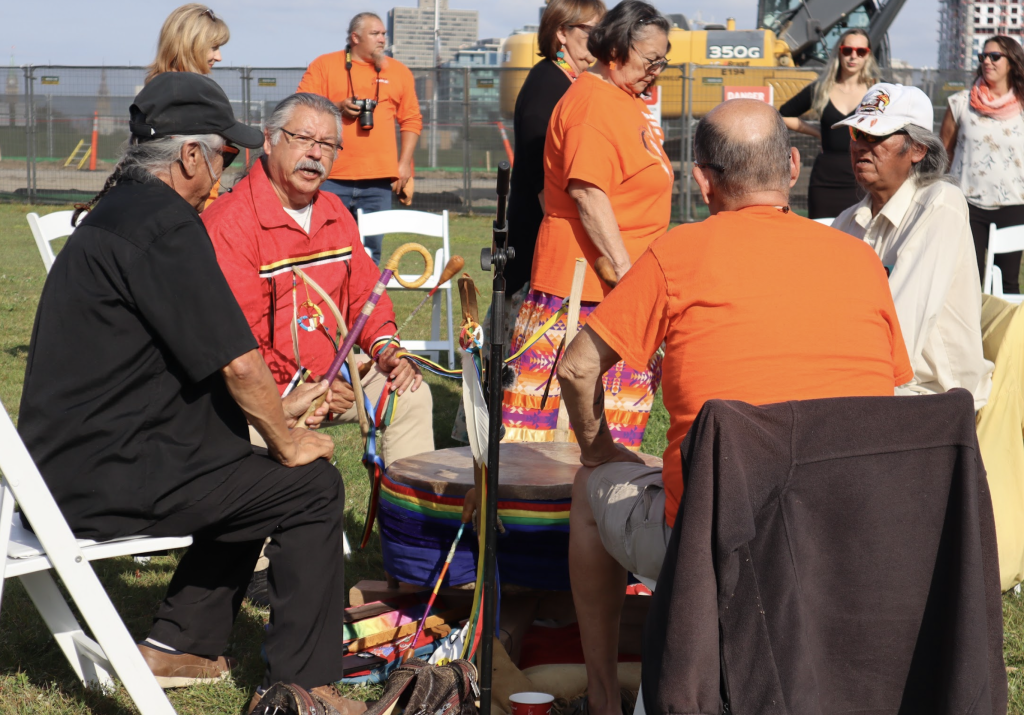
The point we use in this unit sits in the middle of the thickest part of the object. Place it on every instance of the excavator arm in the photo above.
(804, 25)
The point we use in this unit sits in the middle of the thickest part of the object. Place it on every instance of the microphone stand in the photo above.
(496, 257)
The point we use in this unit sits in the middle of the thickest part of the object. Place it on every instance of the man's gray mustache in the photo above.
(312, 165)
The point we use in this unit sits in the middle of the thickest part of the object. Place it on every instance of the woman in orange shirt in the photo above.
(190, 41)
(607, 192)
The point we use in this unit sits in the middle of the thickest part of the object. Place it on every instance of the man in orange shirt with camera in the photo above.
(373, 91)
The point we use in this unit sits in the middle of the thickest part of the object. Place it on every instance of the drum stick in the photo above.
(390, 269)
(433, 596)
(571, 322)
(454, 265)
(605, 271)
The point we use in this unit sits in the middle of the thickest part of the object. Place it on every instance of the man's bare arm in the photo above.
(587, 358)
(250, 383)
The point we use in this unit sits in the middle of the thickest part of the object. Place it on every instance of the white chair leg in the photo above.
(59, 619)
(435, 318)
(86, 656)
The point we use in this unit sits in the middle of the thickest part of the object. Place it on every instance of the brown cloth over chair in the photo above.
(830, 556)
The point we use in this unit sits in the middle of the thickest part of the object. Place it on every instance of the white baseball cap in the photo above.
(887, 108)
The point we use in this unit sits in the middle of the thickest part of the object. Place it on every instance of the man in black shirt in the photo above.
(142, 374)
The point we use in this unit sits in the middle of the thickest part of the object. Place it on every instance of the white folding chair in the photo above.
(30, 557)
(825, 221)
(423, 224)
(1001, 240)
(49, 228)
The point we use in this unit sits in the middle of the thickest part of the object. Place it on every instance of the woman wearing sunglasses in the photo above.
(983, 132)
(851, 70)
(190, 41)
(607, 192)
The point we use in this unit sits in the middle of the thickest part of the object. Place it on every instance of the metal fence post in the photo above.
(30, 160)
(467, 171)
(688, 88)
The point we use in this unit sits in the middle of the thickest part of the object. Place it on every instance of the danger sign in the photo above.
(763, 94)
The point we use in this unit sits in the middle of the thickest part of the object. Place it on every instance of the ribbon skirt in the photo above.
(629, 393)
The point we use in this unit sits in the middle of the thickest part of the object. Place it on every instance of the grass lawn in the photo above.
(35, 678)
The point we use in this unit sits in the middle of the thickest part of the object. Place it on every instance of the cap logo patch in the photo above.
(874, 103)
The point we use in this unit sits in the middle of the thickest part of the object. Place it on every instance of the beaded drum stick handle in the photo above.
(390, 269)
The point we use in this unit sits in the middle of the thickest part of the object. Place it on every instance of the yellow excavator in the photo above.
(780, 57)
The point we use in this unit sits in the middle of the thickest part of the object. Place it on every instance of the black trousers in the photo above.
(301, 509)
(1009, 263)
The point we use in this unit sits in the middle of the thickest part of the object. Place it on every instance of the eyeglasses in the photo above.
(857, 135)
(850, 51)
(228, 154)
(708, 165)
(306, 143)
(652, 67)
(993, 57)
(209, 12)
(585, 28)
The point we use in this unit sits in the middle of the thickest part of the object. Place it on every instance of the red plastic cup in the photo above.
(531, 703)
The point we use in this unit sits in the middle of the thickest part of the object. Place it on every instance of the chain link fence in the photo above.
(62, 127)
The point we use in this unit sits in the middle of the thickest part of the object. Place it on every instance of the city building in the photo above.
(411, 32)
(964, 25)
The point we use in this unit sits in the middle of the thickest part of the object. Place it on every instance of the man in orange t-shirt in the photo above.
(750, 308)
(353, 79)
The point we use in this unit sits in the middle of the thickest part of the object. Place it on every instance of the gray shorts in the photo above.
(628, 501)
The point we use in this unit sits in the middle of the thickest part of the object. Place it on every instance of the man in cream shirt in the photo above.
(916, 219)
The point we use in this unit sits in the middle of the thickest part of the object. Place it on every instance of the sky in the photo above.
(290, 33)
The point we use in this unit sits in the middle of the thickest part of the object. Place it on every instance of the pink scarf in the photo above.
(1006, 107)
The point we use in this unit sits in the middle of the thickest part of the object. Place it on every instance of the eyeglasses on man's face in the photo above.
(708, 165)
(857, 135)
(848, 51)
(306, 143)
(228, 154)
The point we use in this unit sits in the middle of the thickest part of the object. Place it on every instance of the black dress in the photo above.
(543, 87)
(832, 187)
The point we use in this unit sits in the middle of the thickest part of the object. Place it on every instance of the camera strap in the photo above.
(351, 86)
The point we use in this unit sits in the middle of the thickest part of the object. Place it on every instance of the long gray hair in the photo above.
(143, 161)
(935, 163)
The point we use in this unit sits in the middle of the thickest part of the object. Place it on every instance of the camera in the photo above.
(366, 107)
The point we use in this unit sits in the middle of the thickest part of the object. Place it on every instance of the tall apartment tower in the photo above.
(964, 25)
(411, 32)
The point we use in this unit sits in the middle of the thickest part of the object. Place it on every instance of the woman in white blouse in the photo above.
(983, 132)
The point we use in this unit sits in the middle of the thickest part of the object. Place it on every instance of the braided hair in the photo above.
(142, 161)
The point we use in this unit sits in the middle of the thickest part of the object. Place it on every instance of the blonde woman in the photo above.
(190, 41)
(850, 72)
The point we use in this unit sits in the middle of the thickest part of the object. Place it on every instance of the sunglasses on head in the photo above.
(992, 56)
(208, 12)
(858, 135)
(859, 51)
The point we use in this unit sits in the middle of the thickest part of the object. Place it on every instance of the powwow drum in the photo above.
(420, 511)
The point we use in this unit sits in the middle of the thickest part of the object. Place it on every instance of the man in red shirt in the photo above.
(750, 307)
(373, 166)
(276, 235)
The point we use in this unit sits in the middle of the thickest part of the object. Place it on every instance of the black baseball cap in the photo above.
(182, 103)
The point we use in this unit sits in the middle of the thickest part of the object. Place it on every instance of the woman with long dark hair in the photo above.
(834, 96)
(983, 132)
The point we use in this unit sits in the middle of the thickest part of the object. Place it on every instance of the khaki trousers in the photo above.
(1000, 425)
